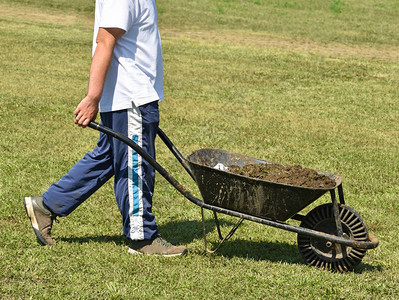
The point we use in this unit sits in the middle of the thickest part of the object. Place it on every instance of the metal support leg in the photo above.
(336, 214)
(341, 194)
(217, 225)
(338, 223)
(227, 237)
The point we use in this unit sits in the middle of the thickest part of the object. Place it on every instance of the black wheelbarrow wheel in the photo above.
(327, 255)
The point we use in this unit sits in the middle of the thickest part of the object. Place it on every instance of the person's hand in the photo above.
(86, 111)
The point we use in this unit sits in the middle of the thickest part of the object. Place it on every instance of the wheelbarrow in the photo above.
(332, 236)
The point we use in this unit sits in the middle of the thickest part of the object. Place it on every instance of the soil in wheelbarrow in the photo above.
(292, 175)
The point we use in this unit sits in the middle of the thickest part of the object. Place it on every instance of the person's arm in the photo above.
(87, 109)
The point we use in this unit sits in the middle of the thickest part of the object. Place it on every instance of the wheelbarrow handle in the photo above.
(175, 152)
(123, 138)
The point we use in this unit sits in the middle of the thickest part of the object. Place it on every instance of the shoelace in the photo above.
(163, 242)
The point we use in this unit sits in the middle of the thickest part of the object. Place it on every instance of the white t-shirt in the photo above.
(135, 73)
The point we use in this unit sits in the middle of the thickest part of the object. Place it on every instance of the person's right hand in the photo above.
(86, 111)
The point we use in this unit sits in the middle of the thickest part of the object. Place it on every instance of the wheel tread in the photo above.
(353, 224)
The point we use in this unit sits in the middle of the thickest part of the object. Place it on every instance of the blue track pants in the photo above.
(133, 176)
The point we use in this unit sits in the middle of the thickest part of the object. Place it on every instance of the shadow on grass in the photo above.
(185, 232)
(116, 239)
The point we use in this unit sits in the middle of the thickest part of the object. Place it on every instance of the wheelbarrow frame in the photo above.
(340, 238)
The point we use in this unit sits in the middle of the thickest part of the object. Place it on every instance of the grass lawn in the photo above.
(313, 83)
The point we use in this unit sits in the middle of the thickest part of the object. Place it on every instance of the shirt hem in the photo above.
(128, 105)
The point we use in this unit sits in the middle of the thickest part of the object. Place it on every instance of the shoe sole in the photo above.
(31, 214)
(134, 252)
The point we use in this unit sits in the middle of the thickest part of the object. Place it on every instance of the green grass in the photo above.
(296, 82)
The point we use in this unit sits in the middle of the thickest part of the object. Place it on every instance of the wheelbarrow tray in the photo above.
(256, 197)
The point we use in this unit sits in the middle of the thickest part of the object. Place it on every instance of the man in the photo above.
(125, 84)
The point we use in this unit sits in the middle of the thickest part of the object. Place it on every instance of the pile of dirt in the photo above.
(292, 175)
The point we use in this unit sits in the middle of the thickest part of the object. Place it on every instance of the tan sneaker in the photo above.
(41, 219)
(157, 246)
